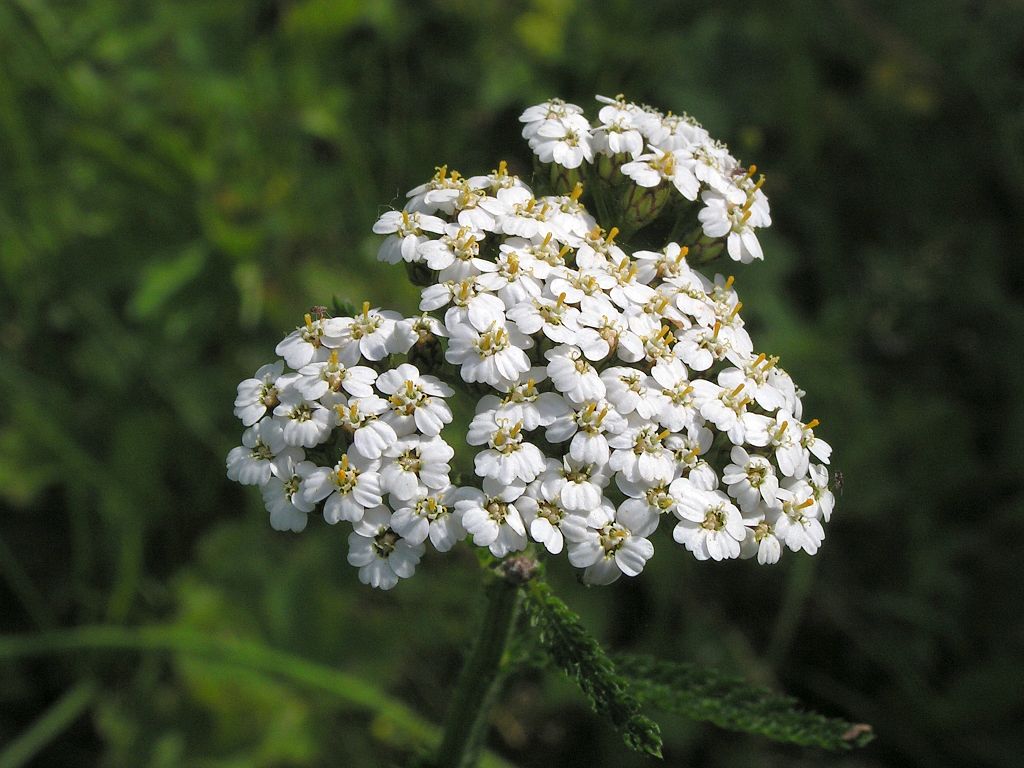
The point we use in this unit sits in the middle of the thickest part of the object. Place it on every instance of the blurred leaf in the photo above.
(161, 280)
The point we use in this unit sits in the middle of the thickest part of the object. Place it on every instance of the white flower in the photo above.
(492, 519)
(754, 376)
(508, 457)
(350, 487)
(469, 302)
(305, 422)
(676, 409)
(565, 142)
(646, 498)
(721, 218)
(438, 194)
(556, 319)
(630, 391)
(821, 450)
(511, 277)
(573, 375)
(430, 515)
(609, 543)
(577, 485)
(524, 402)
(309, 342)
(675, 166)
(797, 524)
(782, 434)
(641, 454)
(761, 539)
(259, 394)
(415, 401)
(727, 410)
(494, 356)
(818, 480)
(406, 232)
(415, 467)
(454, 253)
(709, 525)
(619, 130)
(542, 511)
(373, 334)
(288, 509)
(382, 555)
(586, 427)
(700, 347)
(361, 417)
(751, 479)
(262, 454)
(317, 379)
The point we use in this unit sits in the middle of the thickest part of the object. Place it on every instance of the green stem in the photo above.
(480, 679)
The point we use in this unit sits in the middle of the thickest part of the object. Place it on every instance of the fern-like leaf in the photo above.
(730, 702)
(568, 644)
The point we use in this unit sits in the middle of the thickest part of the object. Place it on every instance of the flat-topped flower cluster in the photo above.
(612, 388)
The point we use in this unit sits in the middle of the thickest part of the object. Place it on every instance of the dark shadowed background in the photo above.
(180, 181)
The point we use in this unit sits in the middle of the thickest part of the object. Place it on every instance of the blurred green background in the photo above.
(179, 181)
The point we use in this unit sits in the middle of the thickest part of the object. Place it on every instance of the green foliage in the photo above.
(179, 181)
(577, 653)
(703, 693)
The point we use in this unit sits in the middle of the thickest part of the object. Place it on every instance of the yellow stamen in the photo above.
(612, 234)
(577, 191)
(546, 240)
(589, 410)
(500, 438)
(601, 415)
(729, 281)
(682, 254)
(781, 430)
(805, 504)
(309, 320)
(410, 388)
(746, 216)
(751, 171)
(442, 172)
(502, 168)
(561, 300)
(736, 310)
(736, 391)
(760, 183)
(405, 219)
(718, 327)
(662, 435)
(692, 454)
(760, 359)
(516, 429)
(333, 360)
(811, 424)
(366, 309)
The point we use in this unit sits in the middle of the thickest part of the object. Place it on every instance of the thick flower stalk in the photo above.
(616, 390)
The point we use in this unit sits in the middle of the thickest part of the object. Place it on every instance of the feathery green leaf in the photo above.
(730, 702)
(567, 642)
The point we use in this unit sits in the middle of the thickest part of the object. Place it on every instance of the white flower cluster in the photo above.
(612, 389)
(672, 152)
